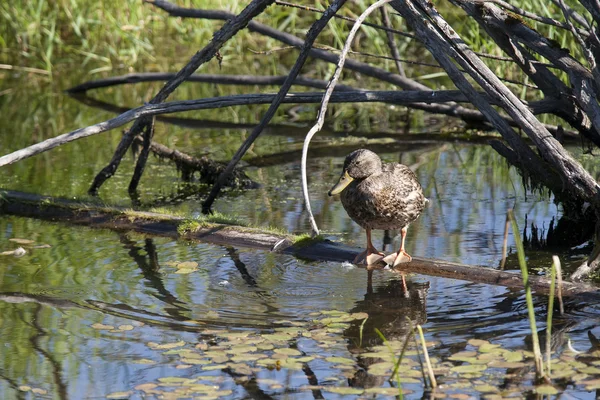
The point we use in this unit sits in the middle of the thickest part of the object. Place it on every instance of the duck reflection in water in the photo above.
(394, 309)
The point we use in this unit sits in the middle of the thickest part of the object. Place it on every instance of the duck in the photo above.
(378, 195)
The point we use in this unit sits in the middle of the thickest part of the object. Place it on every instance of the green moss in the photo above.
(305, 240)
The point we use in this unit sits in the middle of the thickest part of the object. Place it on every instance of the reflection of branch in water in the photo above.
(249, 279)
(241, 267)
(150, 270)
(312, 380)
(57, 372)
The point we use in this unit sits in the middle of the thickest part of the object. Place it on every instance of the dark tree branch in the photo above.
(229, 29)
(311, 36)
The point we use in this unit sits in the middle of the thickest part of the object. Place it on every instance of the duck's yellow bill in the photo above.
(344, 181)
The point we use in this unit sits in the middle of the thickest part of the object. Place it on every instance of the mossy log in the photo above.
(207, 230)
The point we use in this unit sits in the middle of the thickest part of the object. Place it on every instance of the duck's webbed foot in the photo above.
(369, 256)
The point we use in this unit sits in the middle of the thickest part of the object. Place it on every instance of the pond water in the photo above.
(91, 313)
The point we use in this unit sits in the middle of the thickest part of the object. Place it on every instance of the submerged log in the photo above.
(119, 219)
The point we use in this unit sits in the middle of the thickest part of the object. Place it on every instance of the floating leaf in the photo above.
(343, 390)
(468, 369)
(386, 391)
(241, 349)
(168, 346)
(477, 342)
(590, 370)
(175, 380)
(486, 388)
(187, 265)
(381, 368)
(546, 389)
(125, 327)
(194, 361)
(119, 395)
(462, 355)
(488, 347)
(185, 271)
(102, 327)
(340, 360)
(287, 352)
(247, 357)
(144, 361)
(512, 356)
(507, 365)
(24, 388)
(146, 386)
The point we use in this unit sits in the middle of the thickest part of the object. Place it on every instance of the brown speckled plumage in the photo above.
(379, 196)
(388, 197)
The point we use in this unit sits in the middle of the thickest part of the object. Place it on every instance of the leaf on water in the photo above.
(21, 241)
(468, 369)
(333, 312)
(102, 327)
(240, 349)
(126, 327)
(119, 395)
(276, 337)
(508, 365)
(287, 351)
(247, 357)
(462, 355)
(187, 265)
(477, 342)
(486, 388)
(512, 356)
(175, 380)
(183, 366)
(234, 335)
(185, 271)
(546, 389)
(24, 388)
(265, 346)
(381, 368)
(240, 369)
(340, 360)
(146, 386)
(194, 361)
(488, 348)
(144, 361)
(359, 315)
(304, 359)
(590, 370)
(386, 391)
(343, 390)
(212, 367)
(168, 346)
(219, 359)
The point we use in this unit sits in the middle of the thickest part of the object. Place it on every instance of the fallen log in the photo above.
(205, 230)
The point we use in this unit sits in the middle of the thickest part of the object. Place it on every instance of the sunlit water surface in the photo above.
(88, 313)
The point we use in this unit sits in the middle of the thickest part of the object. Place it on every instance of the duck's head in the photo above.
(359, 164)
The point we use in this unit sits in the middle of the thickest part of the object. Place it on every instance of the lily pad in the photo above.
(546, 390)
(287, 351)
(102, 327)
(343, 390)
(119, 395)
(340, 360)
(468, 369)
